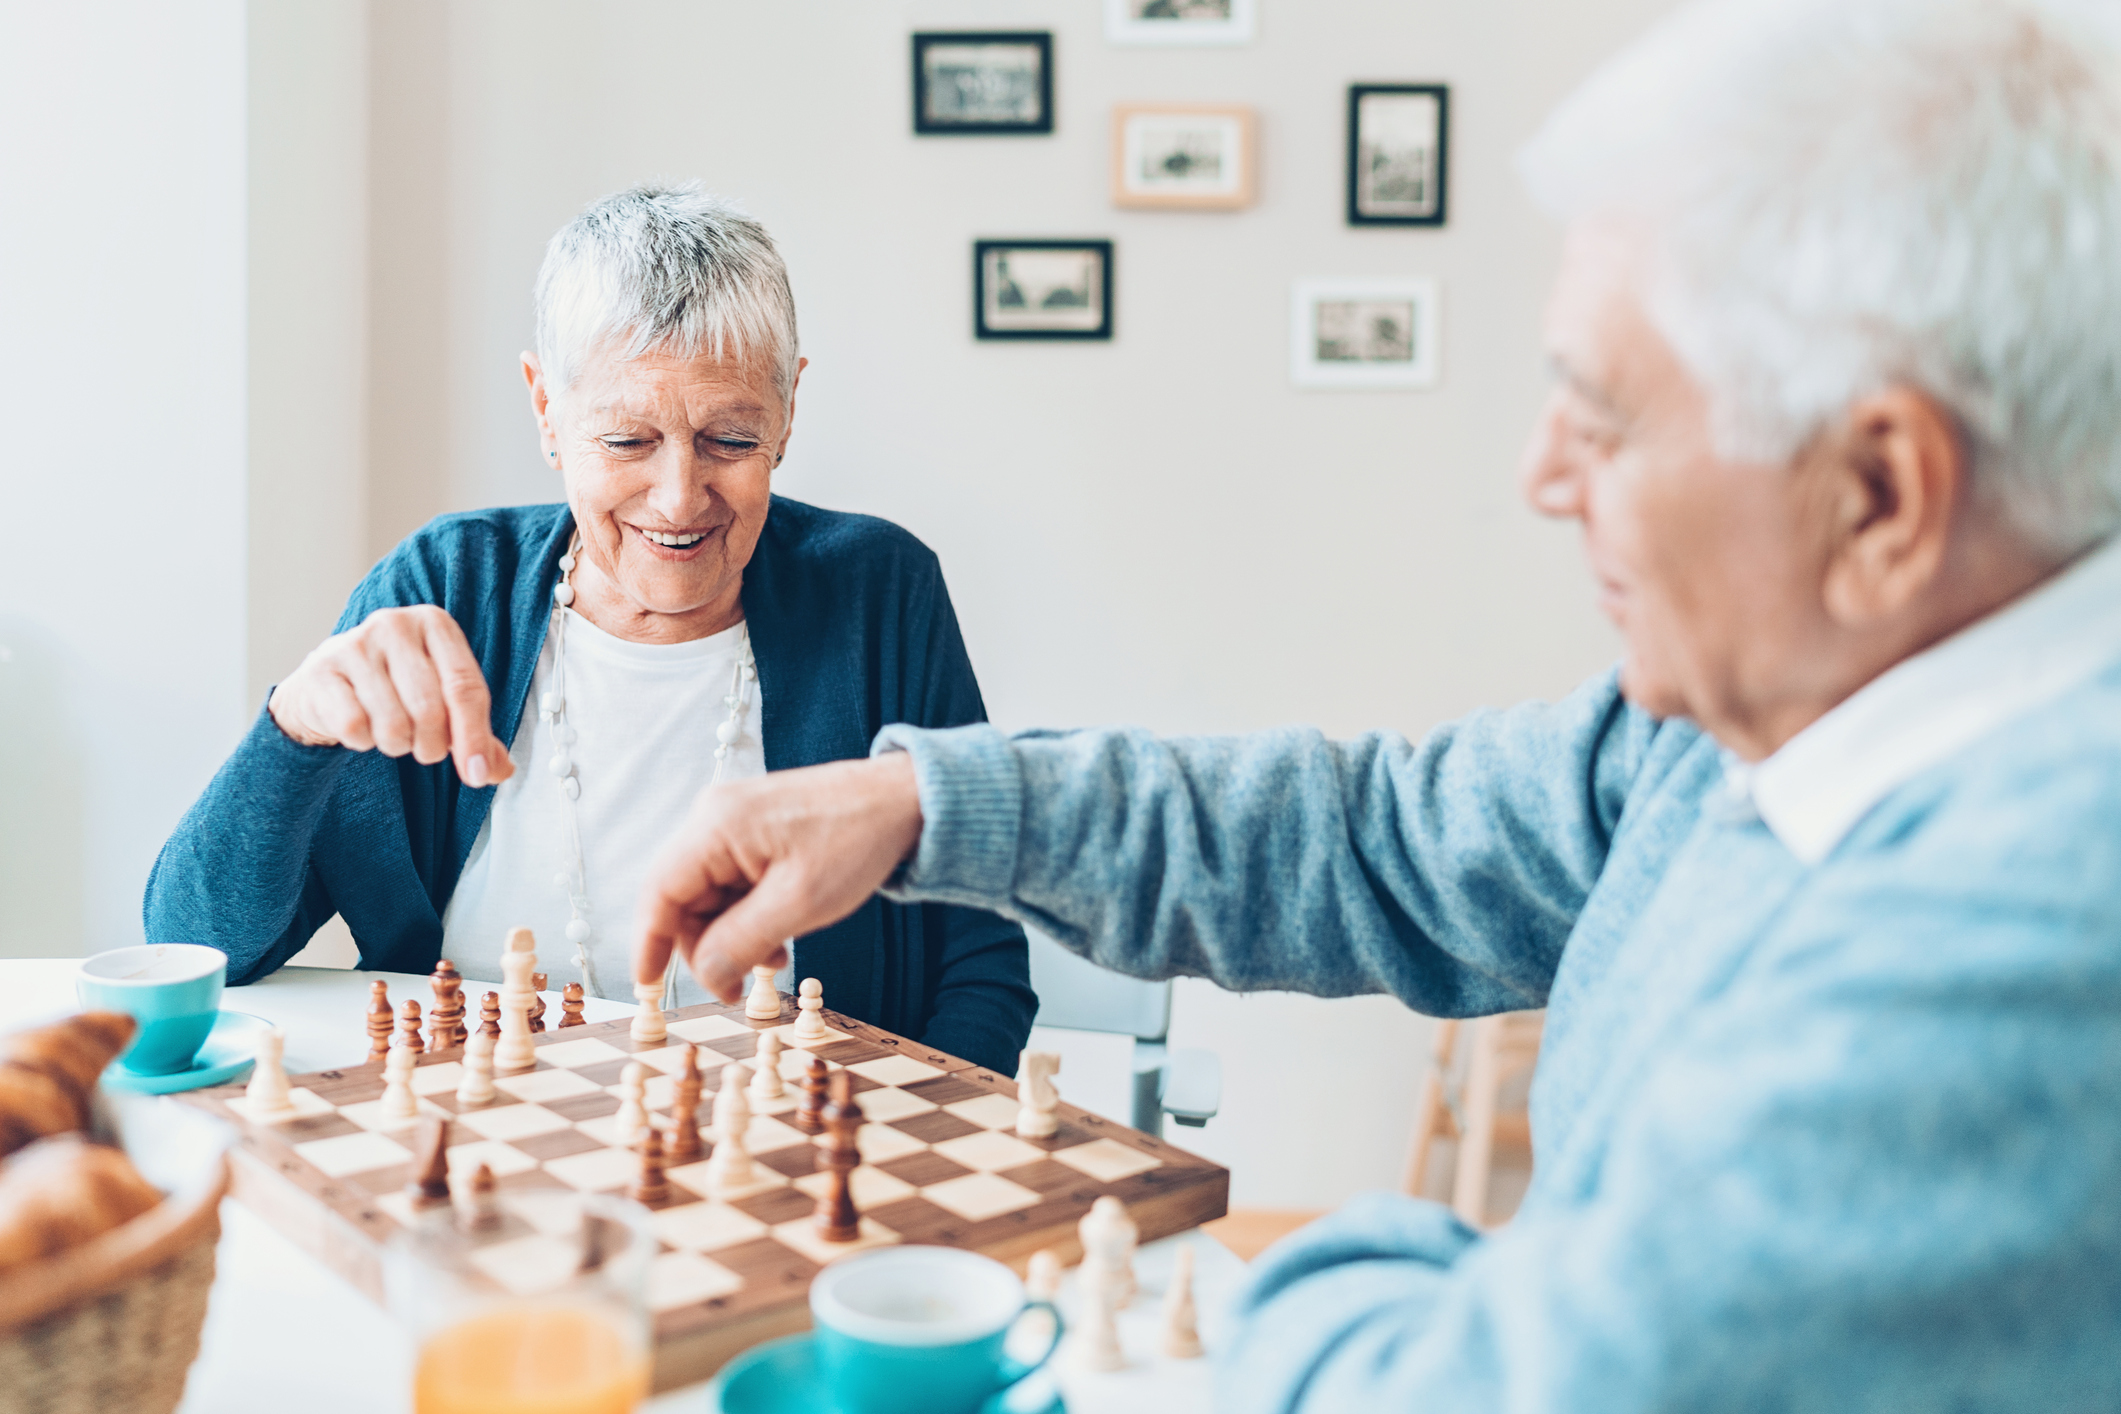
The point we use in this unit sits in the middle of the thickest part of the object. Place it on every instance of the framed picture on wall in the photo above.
(1042, 289)
(1364, 333)
(1397, 142)
(1178, 21)
(983, 83)
(1183, 157)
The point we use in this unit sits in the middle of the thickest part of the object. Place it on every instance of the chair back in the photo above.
(1075, 995)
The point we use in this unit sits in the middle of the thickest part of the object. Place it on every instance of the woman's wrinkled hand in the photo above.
(402, 682)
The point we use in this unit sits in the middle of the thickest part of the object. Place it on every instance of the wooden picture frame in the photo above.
(1180, 22)
(983, 83)
(1042, 289)
(1398, 154)
(1380, 332)
(1184, 156)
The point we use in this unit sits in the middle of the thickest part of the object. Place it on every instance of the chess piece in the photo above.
(766, 1077)
(409, 1026)
(398, 1100)
(514, 1051)
(764, 1003)
(810, 1019)
(1181, 1328)
(809, 1114)
(684, 1145)
(480, 1209)
(729, 1166)
(571, 1003)
(537, 1002)
(268, 1096)
(1109, 1237)
(1035, 1118)
(445, 1021)
(1042, 1279)
(632, 1117)
(650, 1186)
(1097, 1330)
(490, 1015)
(428, 1187)
(836, 1219)
(476, 1088)
(648, 1021)
(381, 1019)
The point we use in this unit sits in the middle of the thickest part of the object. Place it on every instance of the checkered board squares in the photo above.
(940, 1163)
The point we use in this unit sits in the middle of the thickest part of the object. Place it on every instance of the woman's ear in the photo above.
(1895, 485)
(788, 422)
(540, 406)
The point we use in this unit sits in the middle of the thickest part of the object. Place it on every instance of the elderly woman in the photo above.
(521, 703)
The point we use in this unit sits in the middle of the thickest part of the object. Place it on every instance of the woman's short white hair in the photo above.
(666, 269)
(1847, 195)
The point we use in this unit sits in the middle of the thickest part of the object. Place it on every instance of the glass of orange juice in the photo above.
(537, 1307)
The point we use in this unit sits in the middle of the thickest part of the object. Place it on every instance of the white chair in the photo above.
(1074, 995)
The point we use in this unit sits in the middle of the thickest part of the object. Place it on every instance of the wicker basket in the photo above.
(113, 1325)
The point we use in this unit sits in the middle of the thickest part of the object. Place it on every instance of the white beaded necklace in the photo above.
(552, 705)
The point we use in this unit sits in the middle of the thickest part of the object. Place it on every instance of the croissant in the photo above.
(60, 1192)
(47, 1074)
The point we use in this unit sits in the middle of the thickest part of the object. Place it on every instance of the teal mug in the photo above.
(172, 989)
(920, 1330)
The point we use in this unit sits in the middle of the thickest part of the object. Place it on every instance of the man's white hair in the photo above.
(664, 269)
(1847, 195)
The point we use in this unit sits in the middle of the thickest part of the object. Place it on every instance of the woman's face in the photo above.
(669, 464)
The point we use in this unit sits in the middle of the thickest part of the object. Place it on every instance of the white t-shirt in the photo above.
(644, 717)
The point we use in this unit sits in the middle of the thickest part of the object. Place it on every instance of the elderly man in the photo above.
(1822, 889)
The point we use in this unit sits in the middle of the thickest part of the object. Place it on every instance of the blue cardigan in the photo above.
(853, 630)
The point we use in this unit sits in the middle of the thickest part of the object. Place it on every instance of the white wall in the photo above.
(1159, 530)
(122, 487)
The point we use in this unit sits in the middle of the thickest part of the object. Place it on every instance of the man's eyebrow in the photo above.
(1562, 371)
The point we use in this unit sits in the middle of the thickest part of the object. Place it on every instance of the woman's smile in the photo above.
(676, 546)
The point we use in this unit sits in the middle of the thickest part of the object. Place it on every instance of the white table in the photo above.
(282, 1325)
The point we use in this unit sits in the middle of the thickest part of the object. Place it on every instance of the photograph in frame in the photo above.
(1179, 21)
(985, 83)
(1364, 333)
(1182, 157)
(1398, 141)
(1042, 289)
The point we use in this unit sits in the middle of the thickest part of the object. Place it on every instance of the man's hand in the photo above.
(403, 681)
(760, 861)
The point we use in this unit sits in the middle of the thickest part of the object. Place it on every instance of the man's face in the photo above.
(1710, 569)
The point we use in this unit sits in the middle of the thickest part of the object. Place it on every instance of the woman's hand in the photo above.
(760, 861)
(403, 681)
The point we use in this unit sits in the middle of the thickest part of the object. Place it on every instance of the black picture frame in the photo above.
(1362, 213)
(983, 329)
(927, 125)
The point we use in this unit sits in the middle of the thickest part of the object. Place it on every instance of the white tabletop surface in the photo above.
(281, 1324)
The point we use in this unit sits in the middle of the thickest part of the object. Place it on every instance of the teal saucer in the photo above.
(229, 1050)
(782, 1377)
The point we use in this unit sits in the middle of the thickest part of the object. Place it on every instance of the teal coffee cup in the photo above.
(172, 989)
(921, 1330)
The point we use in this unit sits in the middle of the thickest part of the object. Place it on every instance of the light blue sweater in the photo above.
(1832, 1137)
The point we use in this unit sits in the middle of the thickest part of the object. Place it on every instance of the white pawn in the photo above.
(764, 1003)
(398, 1100)
(1181, 1327)
(729, 1166)
(766, 1079)
(648, 1021)
(268, 1096)
(1035, 1117)
(1042, 1279)
(1109, 1237)
(632, 1117)
(810, 1020)
(476, 1088)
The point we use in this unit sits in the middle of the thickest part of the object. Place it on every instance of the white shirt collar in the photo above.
(1921, 711)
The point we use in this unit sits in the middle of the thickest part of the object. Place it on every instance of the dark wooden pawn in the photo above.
(490, 1015)
(381, 1019)
(837, 1220)
(809, 1112)
(409, 1027)
(571, 1003)
(685, 1146)
(482, 1212)
(429, 1185)
(537, 1001)
(650, 1186)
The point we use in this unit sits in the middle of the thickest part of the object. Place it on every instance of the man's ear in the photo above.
(1896, 483)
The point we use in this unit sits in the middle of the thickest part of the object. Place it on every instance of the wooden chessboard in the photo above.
(941, 1163)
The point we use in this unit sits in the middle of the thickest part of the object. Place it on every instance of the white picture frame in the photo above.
(1379, 332)
(1183, 157)
(1177, 22)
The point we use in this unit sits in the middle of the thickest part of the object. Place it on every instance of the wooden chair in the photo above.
(1500, 1049)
